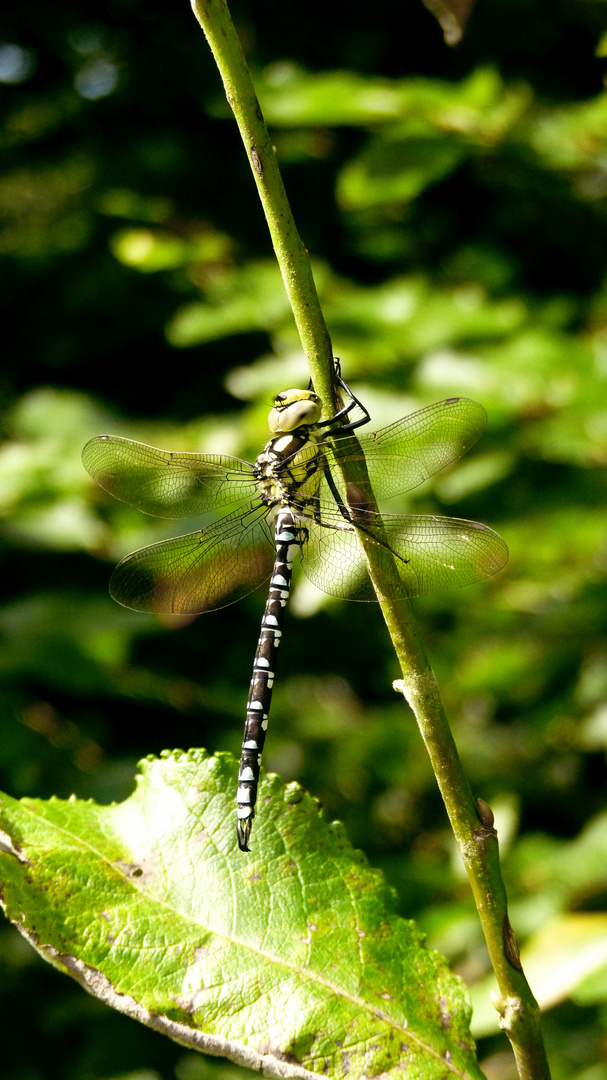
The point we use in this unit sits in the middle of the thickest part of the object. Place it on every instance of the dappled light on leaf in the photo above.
(151, 907)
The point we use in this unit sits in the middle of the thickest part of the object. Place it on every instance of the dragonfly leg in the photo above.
(347, 409)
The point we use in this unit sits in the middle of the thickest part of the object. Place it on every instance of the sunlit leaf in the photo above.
(152, 907)
(152, 250)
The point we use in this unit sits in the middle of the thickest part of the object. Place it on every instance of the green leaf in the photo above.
(150, 250)
(291, 959)
(564, 953)
(237, 301)
(396, 167)
(480, 107)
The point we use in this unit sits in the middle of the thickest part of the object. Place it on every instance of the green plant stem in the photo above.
(473, 827)
(476, 838)
(293, 260)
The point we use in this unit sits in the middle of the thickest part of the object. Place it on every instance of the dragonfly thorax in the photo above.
(282, 470)
(294, 409)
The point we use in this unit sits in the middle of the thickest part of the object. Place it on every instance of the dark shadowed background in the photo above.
(455, 206)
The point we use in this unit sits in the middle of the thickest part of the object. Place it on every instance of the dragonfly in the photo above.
(311, 492)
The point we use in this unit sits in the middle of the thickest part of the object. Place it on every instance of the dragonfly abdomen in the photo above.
(289, 535)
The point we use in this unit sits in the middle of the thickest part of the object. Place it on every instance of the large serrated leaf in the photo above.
(290, 959)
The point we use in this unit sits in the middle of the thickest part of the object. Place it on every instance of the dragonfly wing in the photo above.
(420, 553)
(165, 484)
(333, 559)
(201, 571)
(438, 553)
(403, 455)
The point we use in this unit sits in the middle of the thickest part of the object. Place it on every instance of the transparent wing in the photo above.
(201, 571)
(165, 484)
(403, 455)
(419, 553)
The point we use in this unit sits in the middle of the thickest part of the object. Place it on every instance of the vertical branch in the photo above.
(472, 823)
(293, 259)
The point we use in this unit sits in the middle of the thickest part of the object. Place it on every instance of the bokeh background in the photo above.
(455, 206)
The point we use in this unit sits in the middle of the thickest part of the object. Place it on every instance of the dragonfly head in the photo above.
(293, 409)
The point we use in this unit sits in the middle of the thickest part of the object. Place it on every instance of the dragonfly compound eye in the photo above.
(294, 409)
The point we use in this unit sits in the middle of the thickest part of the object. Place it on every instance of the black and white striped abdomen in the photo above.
(289, 535)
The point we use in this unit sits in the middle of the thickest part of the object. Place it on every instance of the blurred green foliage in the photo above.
(455, 206)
